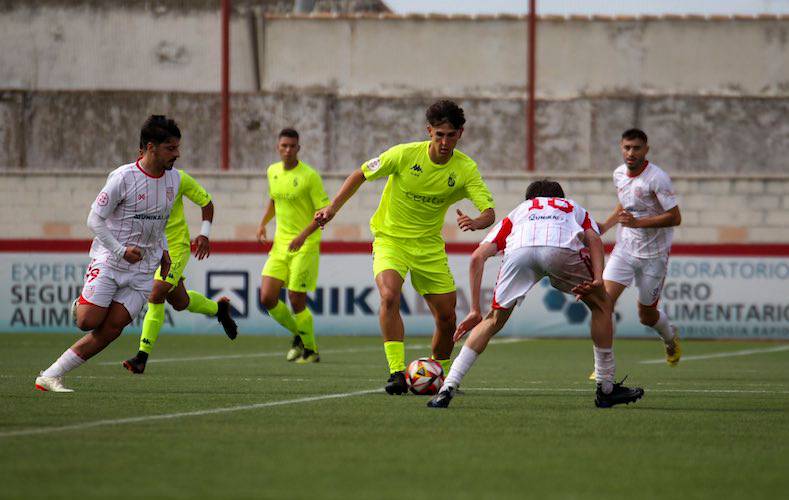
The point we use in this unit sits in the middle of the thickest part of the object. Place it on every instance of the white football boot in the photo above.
(51, 384)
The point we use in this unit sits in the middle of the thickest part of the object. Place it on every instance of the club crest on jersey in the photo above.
(416, 170)
(451, 180)
(295, 182)
(170, 194)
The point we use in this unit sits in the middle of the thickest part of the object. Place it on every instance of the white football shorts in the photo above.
(526, 266)
(648, 275)
(104, 285)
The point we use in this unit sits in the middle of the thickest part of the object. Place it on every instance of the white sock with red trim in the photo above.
(460, 366)
(663, 326)
(604, 368)
(65, 363)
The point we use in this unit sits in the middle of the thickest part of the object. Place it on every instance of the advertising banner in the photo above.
(708, 296)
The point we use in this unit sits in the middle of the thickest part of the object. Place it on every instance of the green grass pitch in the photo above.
(526, 426)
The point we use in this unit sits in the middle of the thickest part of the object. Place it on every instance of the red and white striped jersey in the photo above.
(647, 194)
(542, 222)
(136, 207)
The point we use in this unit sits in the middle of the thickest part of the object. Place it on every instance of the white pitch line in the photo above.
(649, 391)
(746, 352)
(278, 353)
(168, 416)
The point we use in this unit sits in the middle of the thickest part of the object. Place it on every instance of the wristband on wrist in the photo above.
(205, 229)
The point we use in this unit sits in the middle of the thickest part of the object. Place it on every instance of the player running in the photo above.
(171, 286)
(128, 219)
(424, 180)
(295, 193)
(546, 235)
(646, 212)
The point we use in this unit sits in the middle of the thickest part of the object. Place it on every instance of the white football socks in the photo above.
(65, 363)
(460, 367)
(663, 326)
(604, 368)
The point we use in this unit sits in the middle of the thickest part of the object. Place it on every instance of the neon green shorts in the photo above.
(179, 259)
(425, 259)
(298, 270)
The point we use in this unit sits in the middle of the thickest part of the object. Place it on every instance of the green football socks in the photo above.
(282, 315)
(201, 304)
(395, 355)
(306, 328)
(151, 325)
(445, 363)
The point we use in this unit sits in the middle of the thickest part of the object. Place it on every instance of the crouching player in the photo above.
(128, 218)
(547, 235)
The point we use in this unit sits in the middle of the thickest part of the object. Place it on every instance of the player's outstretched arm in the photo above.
(267, 216)
(597, 254)
(485, 219)
(348, 188)
(476, 270)
(669, 218)
(201, 243)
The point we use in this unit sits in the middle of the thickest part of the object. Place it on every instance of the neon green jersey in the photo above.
(177, 231)
(419, 192)
(297, 194)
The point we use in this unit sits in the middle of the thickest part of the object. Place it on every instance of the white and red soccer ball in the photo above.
(424, 376)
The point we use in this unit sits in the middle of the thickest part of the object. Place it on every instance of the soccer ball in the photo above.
(424, 376)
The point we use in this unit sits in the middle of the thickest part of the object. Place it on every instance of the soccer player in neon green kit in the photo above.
(171, 287)
(424, 179)
(295, 193)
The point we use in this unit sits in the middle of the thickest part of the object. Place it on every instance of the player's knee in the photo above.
(179, 305)
(390, 299)
(447, 318)
(86, 324)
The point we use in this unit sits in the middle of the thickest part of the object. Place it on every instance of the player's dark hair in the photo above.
(288, 132)
(634, 133)
(544, 188)
(445, 111)
(158, 129)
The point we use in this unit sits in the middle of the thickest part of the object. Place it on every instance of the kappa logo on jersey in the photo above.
(416, 170)
(103, 199)
(170, 194)
(141, 197)
(233, 285)
(451, 180)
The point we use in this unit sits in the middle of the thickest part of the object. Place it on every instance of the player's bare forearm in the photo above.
(347, 190)
(267, 216)
(299, 240)
(476, 269)
(596, 253)
(485, 219)
(208, 212)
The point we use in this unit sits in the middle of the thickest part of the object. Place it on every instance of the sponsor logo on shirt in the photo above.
(425, 198)
(416, 170)
(150, 217)
(546, 217)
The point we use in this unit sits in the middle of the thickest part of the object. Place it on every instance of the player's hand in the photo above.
(472, 319)
(165, 263)
(202, 247)
(132, 255)
(626, 219)
(296, 243)
(262, 237)
(324, 215)
(465, 222)
(587, 288)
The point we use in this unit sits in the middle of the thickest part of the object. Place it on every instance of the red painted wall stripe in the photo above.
(340, 247)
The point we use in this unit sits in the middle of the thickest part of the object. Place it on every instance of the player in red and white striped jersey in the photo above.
(128, 219)
(550, 236)
(646, 213)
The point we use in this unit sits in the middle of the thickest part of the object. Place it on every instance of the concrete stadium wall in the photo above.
(733, 209)
(78, 78)
(688, 134)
